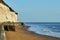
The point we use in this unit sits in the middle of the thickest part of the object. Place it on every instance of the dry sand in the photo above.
(21, 34)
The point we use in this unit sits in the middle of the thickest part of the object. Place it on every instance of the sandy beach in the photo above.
(21, 34)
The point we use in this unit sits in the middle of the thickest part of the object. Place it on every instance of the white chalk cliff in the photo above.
(6, 15)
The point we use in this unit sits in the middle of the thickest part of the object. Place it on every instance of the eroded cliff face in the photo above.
(6, 15)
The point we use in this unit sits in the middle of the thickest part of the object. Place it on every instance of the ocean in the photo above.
(45, 28)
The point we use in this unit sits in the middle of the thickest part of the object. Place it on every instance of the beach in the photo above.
(22, 34)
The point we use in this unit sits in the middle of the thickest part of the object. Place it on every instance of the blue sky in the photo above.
(36, 10)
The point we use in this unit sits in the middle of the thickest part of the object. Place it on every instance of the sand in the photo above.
(21, 34)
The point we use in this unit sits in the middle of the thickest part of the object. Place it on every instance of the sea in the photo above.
(45, 28)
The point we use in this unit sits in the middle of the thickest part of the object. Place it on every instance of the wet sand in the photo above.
(21, 34)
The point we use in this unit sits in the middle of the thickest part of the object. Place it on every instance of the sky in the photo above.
(36, 10)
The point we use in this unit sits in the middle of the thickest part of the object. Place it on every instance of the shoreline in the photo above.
(26, 27)
(22, 34)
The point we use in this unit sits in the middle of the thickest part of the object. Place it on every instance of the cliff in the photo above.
(6, 13)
